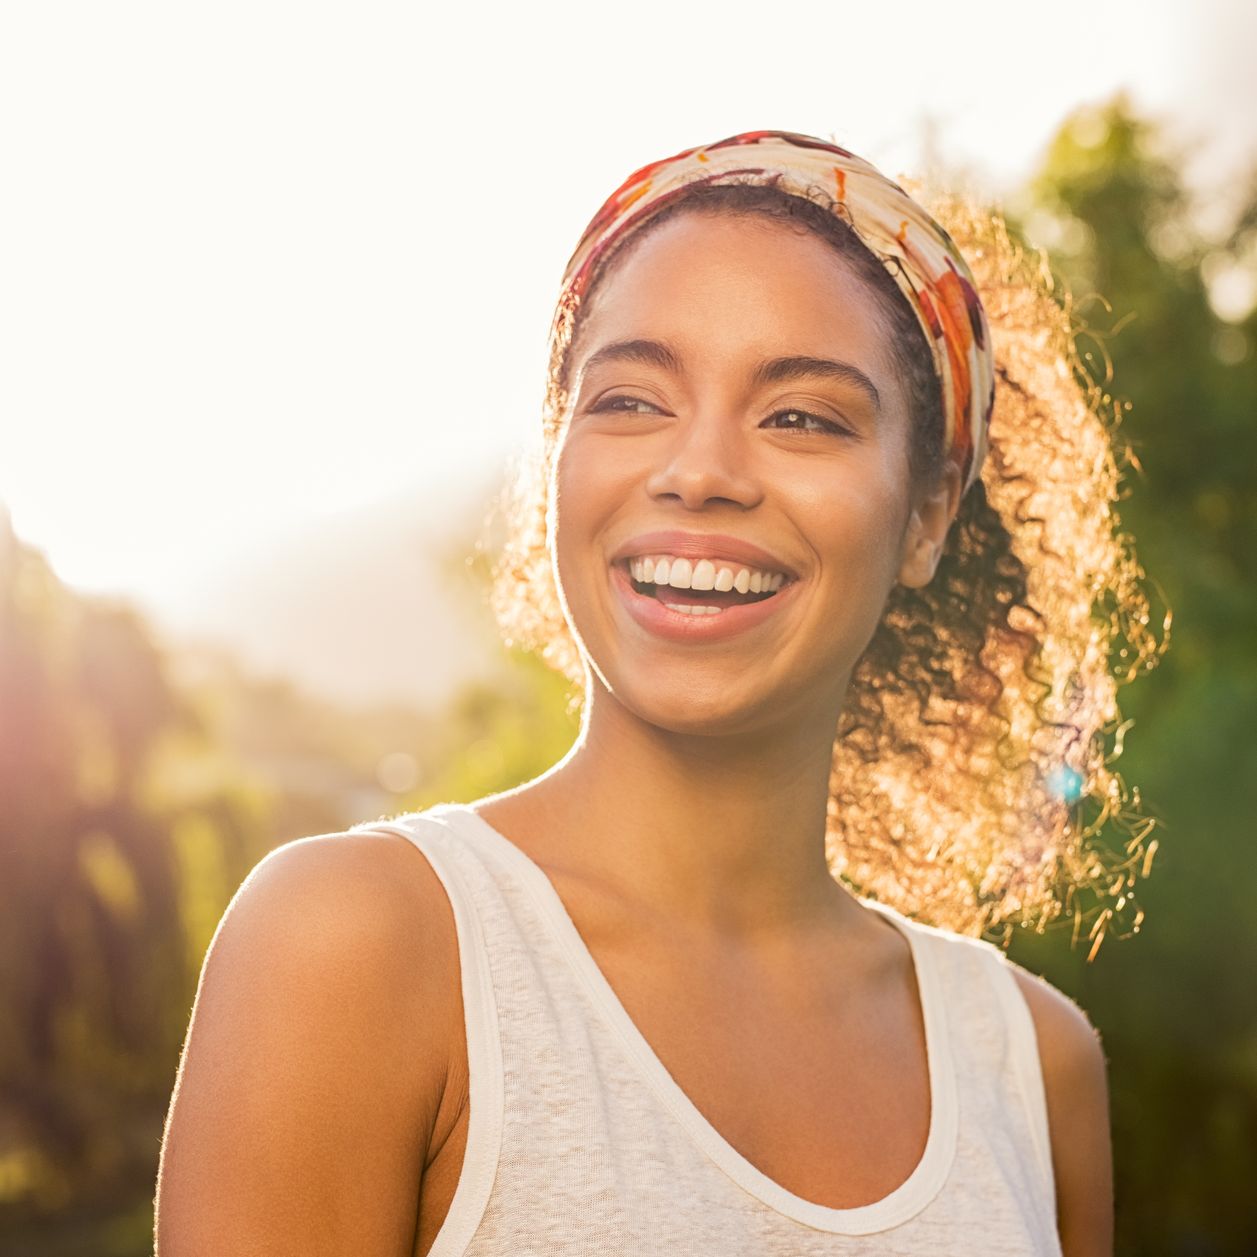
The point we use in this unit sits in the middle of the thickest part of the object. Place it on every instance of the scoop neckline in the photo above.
(903, 1202)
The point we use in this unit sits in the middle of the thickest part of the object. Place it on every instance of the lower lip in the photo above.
(678, 626)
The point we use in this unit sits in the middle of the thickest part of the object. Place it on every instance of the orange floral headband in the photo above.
(921, 257)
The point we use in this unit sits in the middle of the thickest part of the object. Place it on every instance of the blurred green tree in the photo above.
(1168, 301)
(135, 800)
(91, 978)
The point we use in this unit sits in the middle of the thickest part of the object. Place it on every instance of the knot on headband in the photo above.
(921, 257)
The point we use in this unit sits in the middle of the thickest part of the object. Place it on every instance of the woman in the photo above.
(829, 617)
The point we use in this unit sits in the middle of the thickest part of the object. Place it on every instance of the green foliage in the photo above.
(1176, 1005)
(96, 969)
(89, 893)
(502, 735)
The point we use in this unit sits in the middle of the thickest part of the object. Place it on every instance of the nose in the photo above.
(706, 461)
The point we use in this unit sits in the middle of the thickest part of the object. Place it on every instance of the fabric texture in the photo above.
(921, 257)
(580, 1142)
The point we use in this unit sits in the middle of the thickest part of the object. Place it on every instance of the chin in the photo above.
(714, 708)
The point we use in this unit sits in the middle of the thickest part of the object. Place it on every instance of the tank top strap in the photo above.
(472, 895)
(995, 1046)
(1023, 1051)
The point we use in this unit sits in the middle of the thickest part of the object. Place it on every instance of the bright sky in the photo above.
(264, 262)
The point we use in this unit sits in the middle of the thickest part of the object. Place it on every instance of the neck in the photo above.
(726, 832)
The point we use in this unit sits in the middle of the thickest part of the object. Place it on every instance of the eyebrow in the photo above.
(654, 353)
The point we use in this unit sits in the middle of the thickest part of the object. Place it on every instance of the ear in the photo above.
(926, 532)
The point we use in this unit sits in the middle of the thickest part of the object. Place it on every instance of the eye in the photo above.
(629, 407)
(801, 420)
(805, 421)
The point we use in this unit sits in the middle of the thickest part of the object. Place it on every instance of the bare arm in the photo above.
(1074, 1078)
(317, 1054)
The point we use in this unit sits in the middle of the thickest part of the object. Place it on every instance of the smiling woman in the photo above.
(998, 665)
(715, 982)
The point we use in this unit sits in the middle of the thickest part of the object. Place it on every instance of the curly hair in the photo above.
(971, 778)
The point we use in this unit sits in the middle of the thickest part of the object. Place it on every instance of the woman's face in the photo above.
(731, 390)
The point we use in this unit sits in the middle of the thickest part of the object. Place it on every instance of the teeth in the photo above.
(679, 574)
(705, 574)
(688, 608)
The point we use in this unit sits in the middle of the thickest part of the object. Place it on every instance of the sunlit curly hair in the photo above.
(971, 785)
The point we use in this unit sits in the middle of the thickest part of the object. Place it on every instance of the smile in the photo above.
(668, 603)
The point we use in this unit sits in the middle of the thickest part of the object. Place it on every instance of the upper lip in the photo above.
(712, 545)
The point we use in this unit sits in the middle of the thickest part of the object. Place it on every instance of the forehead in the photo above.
(735, 284)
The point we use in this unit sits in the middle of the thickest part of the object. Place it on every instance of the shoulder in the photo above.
(1072, 1058)
(1075, 1084)
(1069, 1045)
(362, 911)
(355, 887)
(358, 916)
(320, 1047)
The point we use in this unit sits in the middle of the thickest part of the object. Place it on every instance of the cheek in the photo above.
(585, 488)
(888, 509)
(577, 485)
(858, 508)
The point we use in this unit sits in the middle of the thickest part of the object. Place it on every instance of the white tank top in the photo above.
(580, 1142)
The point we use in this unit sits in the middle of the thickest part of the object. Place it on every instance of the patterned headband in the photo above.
(921, 257)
